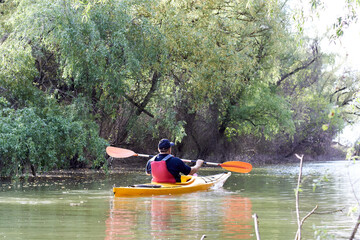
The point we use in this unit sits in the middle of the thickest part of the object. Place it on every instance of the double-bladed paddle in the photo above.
(233, 166)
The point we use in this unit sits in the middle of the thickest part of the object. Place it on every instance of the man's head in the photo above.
(165, 145)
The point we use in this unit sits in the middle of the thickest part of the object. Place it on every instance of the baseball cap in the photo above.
(165, 144)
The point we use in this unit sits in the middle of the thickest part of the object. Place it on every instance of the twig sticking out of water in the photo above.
(256, 222)
(300, 222)
(355, 229)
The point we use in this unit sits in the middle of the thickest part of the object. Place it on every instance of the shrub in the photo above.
(46, 141)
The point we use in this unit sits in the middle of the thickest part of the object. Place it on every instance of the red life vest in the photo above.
(160, 173)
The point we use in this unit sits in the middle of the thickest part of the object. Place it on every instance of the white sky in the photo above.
(348, 45)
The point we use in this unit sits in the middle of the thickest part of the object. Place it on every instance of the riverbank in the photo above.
(116, 166)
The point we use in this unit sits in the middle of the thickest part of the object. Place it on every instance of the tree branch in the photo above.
(138, 106)
(142, 105)
(298, 234)
(308, 215)
(300, 222)
(306, 65)
(256, 222)
(338, 90)
(154, 81)
(355, 228)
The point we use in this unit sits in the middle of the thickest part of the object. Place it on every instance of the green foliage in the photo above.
(353, 153)
(267, 114)
(299, 190)
(46, 140)
(17, 71)
(103, 54)
(322, 233)
(353, 210)
(112, 54)
(7, 7)
(141, 69)
(226, 55)
(318, 111)
(317, 182)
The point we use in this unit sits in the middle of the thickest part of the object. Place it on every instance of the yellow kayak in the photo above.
(188, 184)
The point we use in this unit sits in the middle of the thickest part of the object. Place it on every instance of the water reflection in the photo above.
(161, 211)
(164, 217)
(238, 217)
(122, 220)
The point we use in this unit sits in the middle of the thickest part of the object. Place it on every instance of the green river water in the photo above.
(84, 208)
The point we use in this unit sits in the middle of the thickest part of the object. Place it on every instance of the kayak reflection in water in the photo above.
(165, 168)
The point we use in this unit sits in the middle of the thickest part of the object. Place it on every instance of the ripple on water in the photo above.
(26, 201)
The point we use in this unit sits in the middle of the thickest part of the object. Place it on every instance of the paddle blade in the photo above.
(236, 166)
(119, 152)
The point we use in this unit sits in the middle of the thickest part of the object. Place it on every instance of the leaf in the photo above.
(332, 113)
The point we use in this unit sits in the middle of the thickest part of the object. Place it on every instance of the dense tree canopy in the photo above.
(204, 73)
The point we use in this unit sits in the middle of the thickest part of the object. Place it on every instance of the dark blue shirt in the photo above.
(174, 165)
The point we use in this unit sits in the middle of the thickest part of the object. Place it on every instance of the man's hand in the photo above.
(199, 162)
(195, 168)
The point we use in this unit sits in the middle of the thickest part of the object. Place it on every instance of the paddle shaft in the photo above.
(184, 160)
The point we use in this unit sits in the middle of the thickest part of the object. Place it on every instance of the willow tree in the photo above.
(237, 69)
(39, 129)
(223, 66)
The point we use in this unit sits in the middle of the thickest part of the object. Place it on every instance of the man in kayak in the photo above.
(165, 168)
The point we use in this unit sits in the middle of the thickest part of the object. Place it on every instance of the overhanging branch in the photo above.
(306, 65)
(138, 106)
(141, 107)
